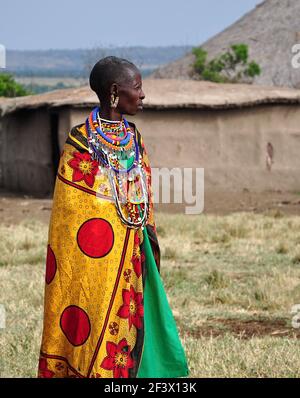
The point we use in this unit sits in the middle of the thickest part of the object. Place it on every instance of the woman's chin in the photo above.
(137, 110)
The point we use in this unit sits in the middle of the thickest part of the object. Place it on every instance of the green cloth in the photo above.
(163, 355)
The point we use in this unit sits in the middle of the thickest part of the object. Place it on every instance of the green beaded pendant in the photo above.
(125, 161)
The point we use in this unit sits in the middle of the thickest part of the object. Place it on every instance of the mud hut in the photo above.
(271, 30)
(245, 137)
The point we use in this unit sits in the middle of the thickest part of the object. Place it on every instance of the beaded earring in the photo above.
(113, 102)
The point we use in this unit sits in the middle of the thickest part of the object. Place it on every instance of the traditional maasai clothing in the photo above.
(105, 309)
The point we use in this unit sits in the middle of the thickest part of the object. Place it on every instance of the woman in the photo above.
(105, 312)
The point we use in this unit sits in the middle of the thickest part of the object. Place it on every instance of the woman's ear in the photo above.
(114, 89)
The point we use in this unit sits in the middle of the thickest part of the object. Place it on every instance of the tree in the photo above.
(10, 88)
(230, 67)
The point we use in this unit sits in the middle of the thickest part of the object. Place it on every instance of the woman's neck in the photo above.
(110, 114)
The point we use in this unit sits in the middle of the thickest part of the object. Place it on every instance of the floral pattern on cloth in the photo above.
(118, 359)
(85, 168)
(132, 308)
(137, 257)
(96, 376)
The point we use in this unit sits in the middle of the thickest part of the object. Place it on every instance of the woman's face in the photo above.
(131, 94)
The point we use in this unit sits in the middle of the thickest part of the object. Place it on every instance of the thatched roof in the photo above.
(270, 30)
(165, 94)
(82, 96)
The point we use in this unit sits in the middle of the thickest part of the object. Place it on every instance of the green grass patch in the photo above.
(231, 282)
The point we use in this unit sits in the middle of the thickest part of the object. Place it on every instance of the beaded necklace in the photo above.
(114, 130)
(122, 155)
(114, 146)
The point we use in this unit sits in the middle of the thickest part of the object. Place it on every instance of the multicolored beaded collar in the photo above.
(117, 151)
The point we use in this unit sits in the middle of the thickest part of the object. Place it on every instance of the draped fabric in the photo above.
(96, 272)
(163, 354)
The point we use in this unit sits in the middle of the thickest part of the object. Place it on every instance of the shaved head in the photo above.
(110, 70)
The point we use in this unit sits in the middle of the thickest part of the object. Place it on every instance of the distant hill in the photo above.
(271, 30)
(77, 63)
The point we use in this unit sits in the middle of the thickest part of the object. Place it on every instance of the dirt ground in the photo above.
(14, 208)
(245, 329)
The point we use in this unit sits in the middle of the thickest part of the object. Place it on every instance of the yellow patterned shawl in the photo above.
(95, 268)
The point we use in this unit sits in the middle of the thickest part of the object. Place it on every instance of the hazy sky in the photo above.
(40, 24)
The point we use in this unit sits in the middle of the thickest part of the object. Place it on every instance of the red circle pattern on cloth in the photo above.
(75, 324)
(95, 237)
(51, 266)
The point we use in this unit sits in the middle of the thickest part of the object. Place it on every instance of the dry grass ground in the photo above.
(231, 282)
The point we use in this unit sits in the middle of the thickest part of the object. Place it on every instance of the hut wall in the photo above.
(69, 117)
(231, 145)
(63, 126)
(26, 153)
